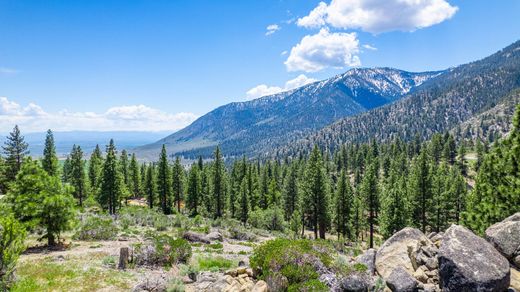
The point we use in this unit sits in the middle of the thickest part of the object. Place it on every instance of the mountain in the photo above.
(241, 127)
(454, 100)
(88, 140)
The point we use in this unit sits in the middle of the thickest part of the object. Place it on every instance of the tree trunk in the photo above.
(123, 258)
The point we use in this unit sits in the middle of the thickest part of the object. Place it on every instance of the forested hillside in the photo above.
(240, 127)
(437, 106)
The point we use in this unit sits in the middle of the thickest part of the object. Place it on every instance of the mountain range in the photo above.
(241, 126)
(358, 105)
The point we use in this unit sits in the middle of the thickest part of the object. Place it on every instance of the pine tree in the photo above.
(15, 150)
(77, 174)
(218, 183)
(111, 184)
(316, 195)
(450, 150)
(193, 197)
(94, 169)
(123, 161)
(164, 183)
(343, 207)
(395, 206)
(178, 182)
(243, 201)
(370, 192)
(462, 159)
(291, 192)
(50, 160)
(134, 182)
(150, 189)
(420, 189)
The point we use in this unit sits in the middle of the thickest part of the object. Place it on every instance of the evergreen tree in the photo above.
(94, 169)
(178, 182)
(343, 207)
(194, 190)
(111, 184)
(370, 192)
(123, 161)
(77, 174)
(291, 192)
(149, 186)
(316, 195)
(134, 182)
(50, 160)
(164, 183)
(462, 159)
(420, 190)
(244, 201)
(395, 205)
(218, 183)
(15, 150)
(40, 200)
(450, 150)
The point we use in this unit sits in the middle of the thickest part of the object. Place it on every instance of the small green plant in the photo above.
(162, 250)
(96, 227)
(359, 267)
(217, 263)
(175, 285)
(109, 261)
(12, 236)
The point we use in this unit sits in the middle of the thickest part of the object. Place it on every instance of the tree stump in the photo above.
(123, 258)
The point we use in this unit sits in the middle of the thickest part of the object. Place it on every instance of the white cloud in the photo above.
(369, 47)
(264, 90)
(323, 50)
(272, 29)
(32, 118)
(377, 16)
(301, 80)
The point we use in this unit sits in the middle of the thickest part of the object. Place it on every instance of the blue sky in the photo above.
(157, 65)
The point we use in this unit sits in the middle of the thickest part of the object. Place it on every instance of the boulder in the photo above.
(215, 236)
(260, 286)
(195, 237)
(469, 263)
(356, 282)
(505, 236)
(394, 252)
(399, 280)
(153, 282)
(515, 280)
(368, 258)
(277, 282)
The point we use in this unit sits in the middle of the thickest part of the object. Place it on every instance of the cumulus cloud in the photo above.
(272, 29)
(264, 90)
(377, 16)
(324, 49)
(32, 118)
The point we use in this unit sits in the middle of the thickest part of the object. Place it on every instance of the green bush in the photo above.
(162, 250)
(269, 219)
(175, 285)
(96, 227)
(309, 286)
(12, 236)
(296, 260)
(144, 217)
(214, 263)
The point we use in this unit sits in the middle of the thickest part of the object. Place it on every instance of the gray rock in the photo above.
(394, 252)
(469, 263)
(368, 258)
(195, 237)
(215, 236)
(356, 282)
(400, 280)
(277, 282)
(505, 236)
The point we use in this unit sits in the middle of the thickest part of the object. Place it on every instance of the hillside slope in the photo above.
(439, 105)
(241, 126)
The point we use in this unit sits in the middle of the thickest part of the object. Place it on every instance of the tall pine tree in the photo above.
(50, 160)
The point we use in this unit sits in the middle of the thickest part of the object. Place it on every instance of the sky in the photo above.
(158, 65)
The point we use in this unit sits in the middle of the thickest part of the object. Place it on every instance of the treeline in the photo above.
(356, 192)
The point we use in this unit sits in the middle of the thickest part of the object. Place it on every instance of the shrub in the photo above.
(12, 236)
(162, 250)
(96, 227)
(175, 285)
(214, 263)
(296, 260)
(270, 219)
(145, 217)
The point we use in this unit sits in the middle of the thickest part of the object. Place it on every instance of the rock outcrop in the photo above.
(395, 252)
(469, 263)
(196, 237)
(368, 258)
(505, 237)
(400, 280)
